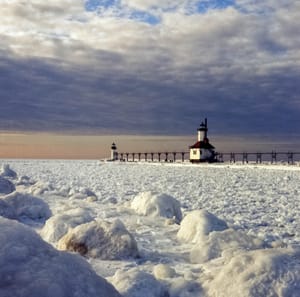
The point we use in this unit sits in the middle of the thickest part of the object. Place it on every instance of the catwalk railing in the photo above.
(232, 157)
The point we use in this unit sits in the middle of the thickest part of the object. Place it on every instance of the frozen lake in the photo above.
(229, 214)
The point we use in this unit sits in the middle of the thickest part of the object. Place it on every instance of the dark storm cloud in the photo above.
(80, 72)
(41, 97)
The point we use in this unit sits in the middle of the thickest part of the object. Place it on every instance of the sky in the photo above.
(150, 67)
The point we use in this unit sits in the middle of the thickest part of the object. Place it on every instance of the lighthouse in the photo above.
(113, 152)
(202, 150)
(202, 131)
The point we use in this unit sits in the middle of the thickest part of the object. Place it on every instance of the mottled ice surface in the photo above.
(259, 205)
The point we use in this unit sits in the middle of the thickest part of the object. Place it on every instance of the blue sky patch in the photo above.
(92, 5)
(145, 17)
(204, 6)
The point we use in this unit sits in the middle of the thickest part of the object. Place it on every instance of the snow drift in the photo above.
(224, 243)
(6, 186)
(100, 239)
(136, 283)
(24, 207)
(58, 225)
(268, 273)
(7, 172)
(157, 205)
(198, 224)
(40, 188)
(6, 210)
(163, 271)
(31, 267)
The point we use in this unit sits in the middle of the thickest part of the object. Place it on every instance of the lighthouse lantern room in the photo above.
(113, 152)
(202, 150)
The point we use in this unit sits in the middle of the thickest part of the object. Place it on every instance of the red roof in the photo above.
(202, 145)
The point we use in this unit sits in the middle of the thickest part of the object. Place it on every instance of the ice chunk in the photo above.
(163, 271)
(41, 187)
(100, 239)
(7, 172)
(24, 180)
(268, 272)
(150, 204)
(224, 243)
(58, 225)
(6, 210)
(135, 283)
(197, 224)
(6, 186)
(31, 267)
(25, 207)
(184, 288)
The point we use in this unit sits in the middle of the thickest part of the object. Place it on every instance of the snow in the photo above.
(31, 267)
(7, 172)
(157, 205)
(135, 283)
(197, 230)
(100, 239)
(270, 272)
(25, 208)
(224, 243)
(197, 224)
(58, 225)
(6, 186)
(163, 271)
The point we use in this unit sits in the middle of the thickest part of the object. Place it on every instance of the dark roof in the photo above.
(203, 145)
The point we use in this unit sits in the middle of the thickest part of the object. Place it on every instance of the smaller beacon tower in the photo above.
(113, 152)
(202, 150)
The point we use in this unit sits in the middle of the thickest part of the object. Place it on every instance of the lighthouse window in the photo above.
(194, 152)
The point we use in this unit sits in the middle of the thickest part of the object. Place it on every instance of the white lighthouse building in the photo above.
(202, 150)
(113, 152)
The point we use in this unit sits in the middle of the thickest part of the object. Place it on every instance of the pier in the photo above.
(231, 157)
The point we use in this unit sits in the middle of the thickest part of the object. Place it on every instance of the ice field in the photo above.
(91, 228)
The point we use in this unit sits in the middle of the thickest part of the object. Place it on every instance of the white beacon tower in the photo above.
(113, 152)
(202, 131)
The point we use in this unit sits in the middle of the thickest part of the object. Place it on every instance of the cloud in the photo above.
(65, 68)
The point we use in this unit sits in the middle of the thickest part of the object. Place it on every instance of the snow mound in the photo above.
(198, 224)
(31, 267)
(82, 193)
(163, 271)
(24, 181)
(25, 207)
(58, 225)
(6, 210)
(268, 273)
(41, 187)
(184, 288)
(100, 239)
(7, 172)
(157, 205)
(225, 243)
(6, 186)
(135, 283)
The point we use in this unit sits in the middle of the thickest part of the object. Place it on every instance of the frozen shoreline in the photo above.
(255, 200)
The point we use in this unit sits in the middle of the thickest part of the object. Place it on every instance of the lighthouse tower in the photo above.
(202, 150)
(202, 131)
(113, 152)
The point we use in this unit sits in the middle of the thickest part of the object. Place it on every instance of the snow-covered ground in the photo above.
(149, 229)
